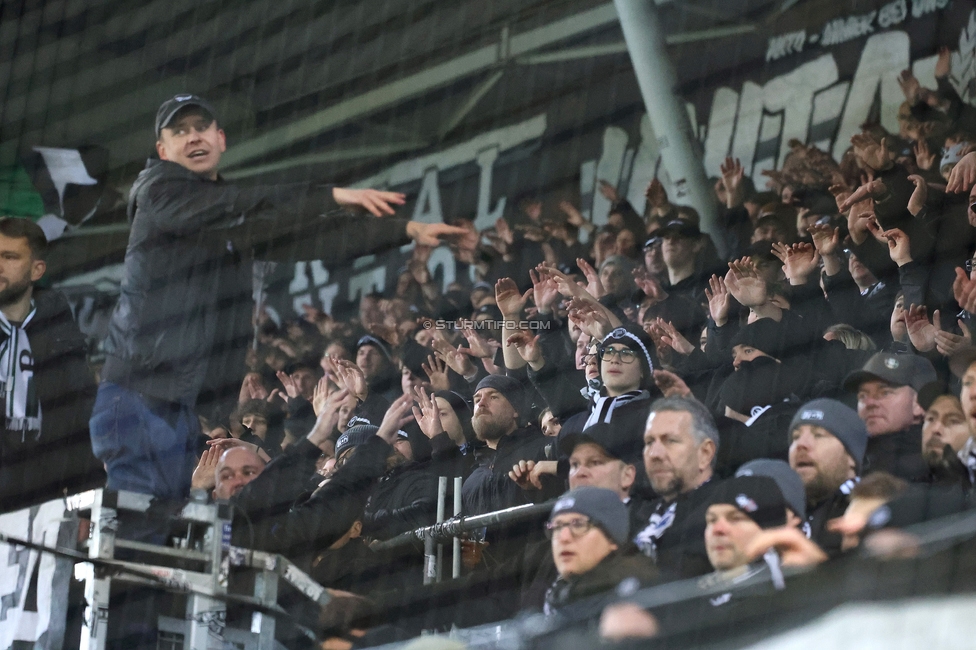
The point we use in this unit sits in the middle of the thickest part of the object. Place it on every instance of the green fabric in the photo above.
(18, 198)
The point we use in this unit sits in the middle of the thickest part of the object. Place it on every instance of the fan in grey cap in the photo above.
(887, 390)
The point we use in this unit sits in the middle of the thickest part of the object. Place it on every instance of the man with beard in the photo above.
(47, 387)
(827, 449)
(680, 446)
(947, 440)
(500, 421)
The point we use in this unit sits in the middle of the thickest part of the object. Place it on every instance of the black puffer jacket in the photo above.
(66, 390)
(183, 320)
(488, 487)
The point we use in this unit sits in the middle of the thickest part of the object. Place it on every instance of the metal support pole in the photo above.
(265, 590)
(104, 523)
(666, 110)
(456, 568)
(441, 503)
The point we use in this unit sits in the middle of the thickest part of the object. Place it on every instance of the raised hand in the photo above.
(857, 221)
(545, 291)
(649, 285)
(376, 202)
(920, 331)
(504, 231)
(872, 154)
(205, 474)
(395, 418)
(924, 156)
(527, 346)
(948, 343)
(673, 338)
(910, 86)
(590, 319)
(899, 246)
(593, 284)
(873, 189)
(573, 216)
(964, 290)
(352, 378)
(608, 191)
(745, 284)
(732, 174)
(799, 261)
(564, 284)
(290, 385)
(919, 196)
(252, 388)
(478, 346)
(436, 371)
(427, 415)
(718, 300)
(510, 302)
(455, 359)
(670, 384)
(327, 419)
(826, 238)
(963, 175)
(435, 234)
(657, 197)
(320, 395)
(841, 191)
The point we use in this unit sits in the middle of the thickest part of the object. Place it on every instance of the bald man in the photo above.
(237, 467)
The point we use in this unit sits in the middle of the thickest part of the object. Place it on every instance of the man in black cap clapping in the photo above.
(182, 324)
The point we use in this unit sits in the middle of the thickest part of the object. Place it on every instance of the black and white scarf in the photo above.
(602, 410)
(22, 408)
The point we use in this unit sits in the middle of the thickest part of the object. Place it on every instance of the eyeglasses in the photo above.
(589, 358)
(626, 355)
(577, 528)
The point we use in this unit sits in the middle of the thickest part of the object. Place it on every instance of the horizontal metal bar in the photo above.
(186, 554)
(455, 527)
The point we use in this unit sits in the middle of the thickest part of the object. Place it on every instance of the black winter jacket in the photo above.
(183, 320)
(33, 470)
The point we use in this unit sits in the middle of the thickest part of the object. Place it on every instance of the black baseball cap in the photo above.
(172, 106)
(895, 369)
(617, 442)
(679, 227)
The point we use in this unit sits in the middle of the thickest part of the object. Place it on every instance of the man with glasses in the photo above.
(589, 532)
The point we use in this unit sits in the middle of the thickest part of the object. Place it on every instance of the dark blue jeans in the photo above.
(147, 446)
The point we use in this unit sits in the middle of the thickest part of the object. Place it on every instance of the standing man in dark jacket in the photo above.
(182, 324)
(47, 386)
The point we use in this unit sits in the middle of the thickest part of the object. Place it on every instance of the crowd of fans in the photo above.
(706, 415)
(693, 415)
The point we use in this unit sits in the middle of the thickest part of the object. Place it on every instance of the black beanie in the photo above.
(759, 497)
(510, 388)
(640, 342)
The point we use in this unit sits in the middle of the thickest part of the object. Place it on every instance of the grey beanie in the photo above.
(840, 420)
(602, 506)
(354, 436)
